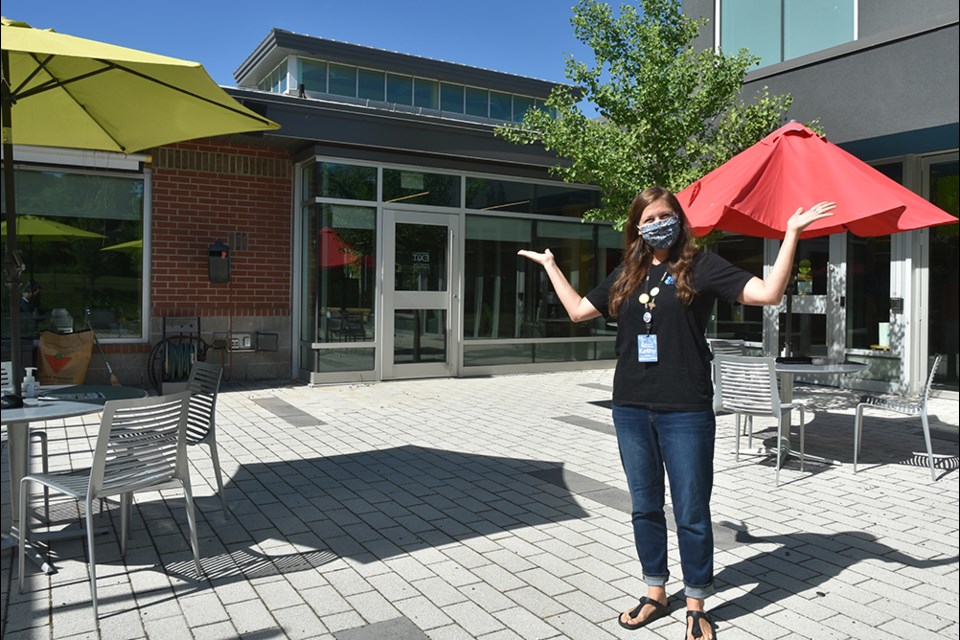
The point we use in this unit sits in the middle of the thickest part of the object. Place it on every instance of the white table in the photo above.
(787, 371)
(18, 422)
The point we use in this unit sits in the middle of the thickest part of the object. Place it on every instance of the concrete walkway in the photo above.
(495, 508)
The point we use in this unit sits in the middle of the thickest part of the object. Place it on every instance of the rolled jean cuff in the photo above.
(655, 581)
(698, 592)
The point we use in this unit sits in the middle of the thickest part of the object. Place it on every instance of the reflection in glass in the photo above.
(418, 187)
(339, 274)
(493, 294)
(451, 97)
(868, 292)
(419, 335)
(737, 321)
(81, 240)
(809, 276)
(944, 281)
(400, 89)
(313, 75)
(370, 84)
(426, 93)
(343, 80)
(421, 260)
(500, 105)
(333, 360)
(488, 194)
(477, 102)
(351, 182)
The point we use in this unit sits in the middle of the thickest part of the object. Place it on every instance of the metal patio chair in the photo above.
(914, 407)
(747, 386)
(141, 445)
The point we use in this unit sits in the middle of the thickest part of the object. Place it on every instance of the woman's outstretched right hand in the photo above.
(543, 259)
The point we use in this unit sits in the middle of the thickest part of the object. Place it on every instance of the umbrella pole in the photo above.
(12, 265)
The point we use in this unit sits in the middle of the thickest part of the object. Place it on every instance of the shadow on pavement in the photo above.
(801, 562)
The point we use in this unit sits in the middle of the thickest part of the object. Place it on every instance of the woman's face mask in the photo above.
(662, 233)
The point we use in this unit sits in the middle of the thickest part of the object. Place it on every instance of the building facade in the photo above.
(880, 78)
(374, 235)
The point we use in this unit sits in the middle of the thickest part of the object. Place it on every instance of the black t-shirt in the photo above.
(680, 379)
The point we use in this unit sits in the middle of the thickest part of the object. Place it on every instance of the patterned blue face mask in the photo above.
(661, 234)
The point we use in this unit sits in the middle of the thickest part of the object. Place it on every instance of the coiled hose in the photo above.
(172, 358)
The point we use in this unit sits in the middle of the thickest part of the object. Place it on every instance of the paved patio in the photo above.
(495, 508)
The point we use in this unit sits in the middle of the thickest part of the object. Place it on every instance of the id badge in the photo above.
(647, 348)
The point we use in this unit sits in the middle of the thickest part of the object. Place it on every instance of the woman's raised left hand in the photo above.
(801, 219)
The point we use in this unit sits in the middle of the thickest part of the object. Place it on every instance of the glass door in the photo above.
(420, 295)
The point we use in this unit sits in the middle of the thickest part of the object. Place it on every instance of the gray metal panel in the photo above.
(894, 87)
(313, 121)
(877, 16)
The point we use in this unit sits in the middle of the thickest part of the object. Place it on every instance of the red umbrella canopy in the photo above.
(332, 250)
(756, 191)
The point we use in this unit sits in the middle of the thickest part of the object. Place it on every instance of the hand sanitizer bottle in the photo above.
(30, 387)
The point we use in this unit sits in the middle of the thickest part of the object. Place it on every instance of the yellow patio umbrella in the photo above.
(46, 229)
(63, 91)
(131, 246)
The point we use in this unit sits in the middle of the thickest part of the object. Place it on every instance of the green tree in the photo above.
(668, 113)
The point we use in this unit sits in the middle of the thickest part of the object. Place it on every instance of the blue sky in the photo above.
(525, 37)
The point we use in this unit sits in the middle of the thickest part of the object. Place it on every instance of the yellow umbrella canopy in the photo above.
(77, 93)
(131, 246)
(38, 228)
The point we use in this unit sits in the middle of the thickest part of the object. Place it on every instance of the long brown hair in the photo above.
(638, 255)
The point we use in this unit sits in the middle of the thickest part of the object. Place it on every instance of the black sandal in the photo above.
(697, 616)
(659, 611)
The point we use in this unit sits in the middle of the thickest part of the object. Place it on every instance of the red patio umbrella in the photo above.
(756, 191)
(332, 252)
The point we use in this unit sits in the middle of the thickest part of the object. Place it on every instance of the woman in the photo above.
(662, 295)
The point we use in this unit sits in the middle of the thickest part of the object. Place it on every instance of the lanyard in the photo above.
(647, 298)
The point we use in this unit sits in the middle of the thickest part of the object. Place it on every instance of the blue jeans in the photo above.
(682, 442)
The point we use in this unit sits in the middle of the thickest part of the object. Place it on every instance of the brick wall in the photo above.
(204, 191)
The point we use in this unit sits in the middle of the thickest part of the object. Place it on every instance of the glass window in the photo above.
(943, 331)
(500, 105)
(335, 180)
(81, 239)
(777, 31)
(399, 89)
(478, 102)
(814, 25)
(494, 297)
(451, 97)
(371, 85)
(339, 266)
(500, 195)
(737, 321)
(507, 195)
(343, 80)
(868, 292)
(752, 25)
(426, 93)
(564, 200)
(573, 245)
(313, 75)
(417, 187)
(521, 104)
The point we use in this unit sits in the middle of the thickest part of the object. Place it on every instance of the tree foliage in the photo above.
(668, 113)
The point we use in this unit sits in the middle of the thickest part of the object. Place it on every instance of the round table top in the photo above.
(67, 402)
